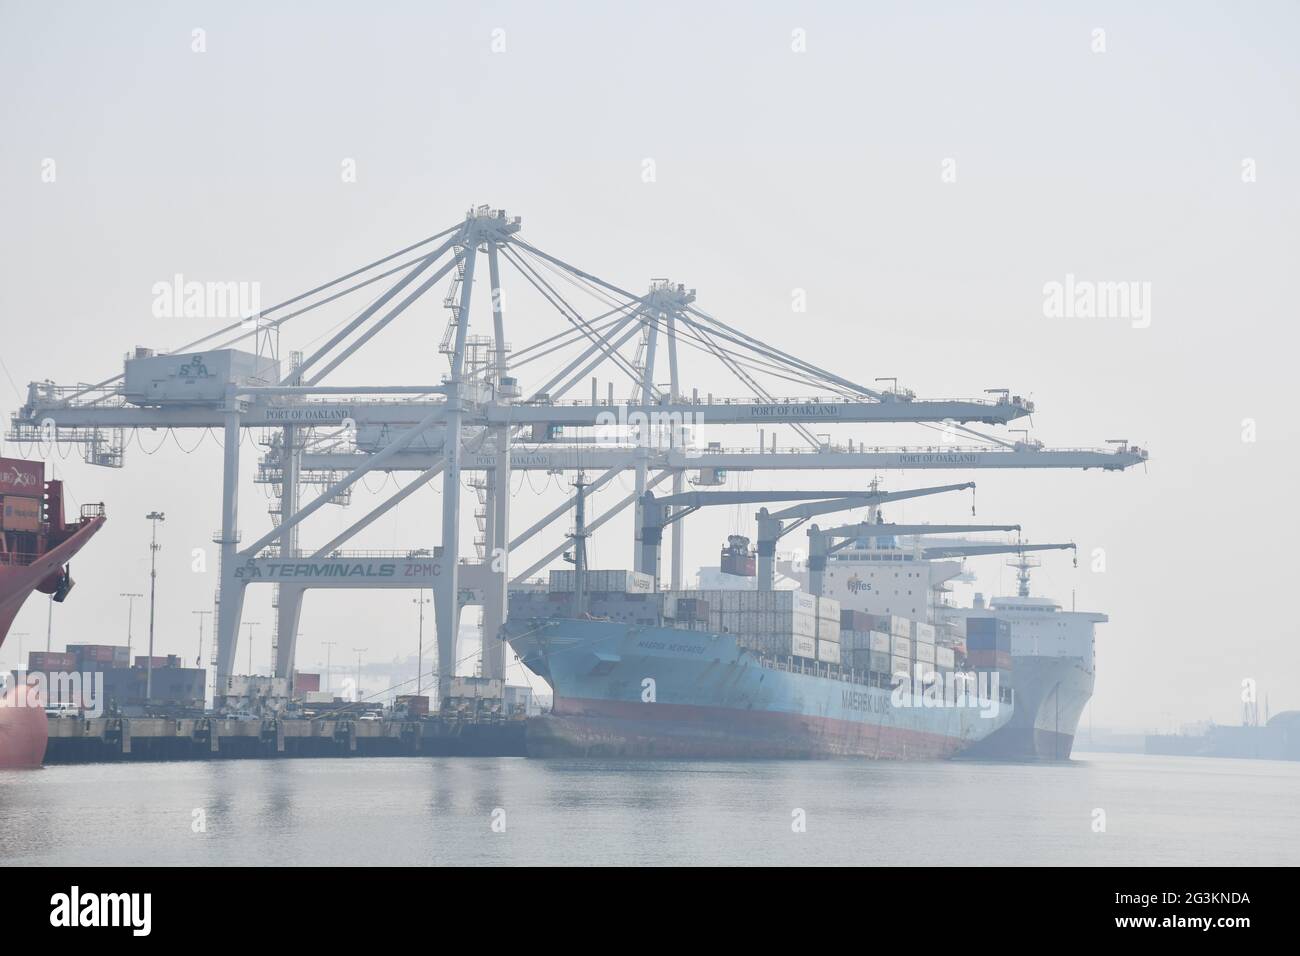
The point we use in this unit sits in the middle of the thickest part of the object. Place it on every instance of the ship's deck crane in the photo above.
(820, 546)
(975, 550)
(772, 526)
(659, 513)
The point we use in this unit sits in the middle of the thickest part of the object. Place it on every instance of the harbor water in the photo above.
(1155, 810)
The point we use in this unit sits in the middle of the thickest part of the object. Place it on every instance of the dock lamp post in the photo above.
(130, 613)
(419, 667)
(154, 546)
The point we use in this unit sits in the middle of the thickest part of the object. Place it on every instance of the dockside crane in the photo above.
(468, 415)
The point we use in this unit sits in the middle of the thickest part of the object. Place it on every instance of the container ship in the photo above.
(36, 546)
(637, 672)
(1044, 653)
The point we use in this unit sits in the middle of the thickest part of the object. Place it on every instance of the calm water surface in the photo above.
(421, 811)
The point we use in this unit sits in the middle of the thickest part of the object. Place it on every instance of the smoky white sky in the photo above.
(920, 171)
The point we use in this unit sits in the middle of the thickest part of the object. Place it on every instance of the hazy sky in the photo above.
(1169, 159)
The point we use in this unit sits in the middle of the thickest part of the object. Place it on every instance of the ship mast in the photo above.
(579, 538)
(1022, 565)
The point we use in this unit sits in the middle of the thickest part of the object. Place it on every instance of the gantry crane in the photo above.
(472, 418)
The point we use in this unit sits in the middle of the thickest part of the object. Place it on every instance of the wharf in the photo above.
(99, 739)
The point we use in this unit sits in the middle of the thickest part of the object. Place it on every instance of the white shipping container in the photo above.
(900, 665)
(923, 633)
(828, 631)
(944, 657)
(828, 651)
(900, 647)
(492, 688)
(801, 646)
(925, 653)
(900, 626)
(880, 642)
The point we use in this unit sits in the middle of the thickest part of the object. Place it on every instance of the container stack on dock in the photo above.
(174, 685)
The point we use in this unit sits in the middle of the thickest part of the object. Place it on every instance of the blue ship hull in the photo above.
(637, 691)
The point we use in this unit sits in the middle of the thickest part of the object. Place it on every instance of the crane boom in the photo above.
(974, 550)
(772, 527)
(820, 546)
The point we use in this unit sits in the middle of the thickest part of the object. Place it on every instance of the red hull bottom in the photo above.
(591, 728)
(24, 732)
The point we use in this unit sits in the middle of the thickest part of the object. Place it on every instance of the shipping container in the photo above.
(51, 661)
(802, 646)
(944, 657)
(879, 661)
(24, 479)
(828, 609)
(828, 651)
(486, 688)
(900, 647)
(922, 633)
(881, 642)
(170, 660)
(602, 582)
(900, 665)
(989, 660)
(416, 705)
(987, 634)
(856, 620)
(924, 653)
(20, 514)
(305, 683)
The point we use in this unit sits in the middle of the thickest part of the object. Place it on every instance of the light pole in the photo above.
(20, 635)
(360, 651)
(328, 645)
(198, 662)
(419, 667)
(130, 608)
(155, 517)
(251, 625)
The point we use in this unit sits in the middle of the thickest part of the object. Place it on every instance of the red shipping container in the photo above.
(23, 478)
(305, 683)
(51, 661)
